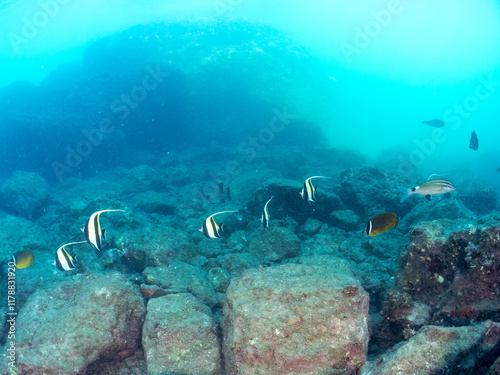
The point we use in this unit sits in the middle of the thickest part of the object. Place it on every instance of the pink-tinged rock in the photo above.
(63, 329)
(151, 291)
(180, 337)
(457, 273)
(435, 348)
(296, 319)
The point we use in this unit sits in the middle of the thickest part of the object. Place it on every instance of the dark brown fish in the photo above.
(473, 143)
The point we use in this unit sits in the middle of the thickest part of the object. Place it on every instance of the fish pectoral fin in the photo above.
(221, 227)
(103, 233)
(428, 197)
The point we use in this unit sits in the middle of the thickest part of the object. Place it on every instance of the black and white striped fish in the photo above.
(265, 214)
(64, 260)
(210, 228)
(92, 229)
(308, 192)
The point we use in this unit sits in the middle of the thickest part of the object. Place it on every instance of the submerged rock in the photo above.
(181, 277)
(179, 337)
(457, 273)
(24, 193)
(274, 244)
(441, 207)
(296, 319)
(438, 350)
(367, 191)
(345, 219)
(62, 330)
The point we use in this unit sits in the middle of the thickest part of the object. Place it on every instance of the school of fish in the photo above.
(66, 260)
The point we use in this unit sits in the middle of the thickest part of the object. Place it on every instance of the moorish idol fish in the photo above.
(436, 186)
(308, 192)
(265, 214)
(64, 260)
(92, 229)
(210, 228)
(23, 258)
(380, 223)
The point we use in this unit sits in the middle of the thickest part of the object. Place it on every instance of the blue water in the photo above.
(390, 66)
(147, 107)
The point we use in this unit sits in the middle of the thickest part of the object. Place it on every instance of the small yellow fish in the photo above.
(23, 258)
(380, 223)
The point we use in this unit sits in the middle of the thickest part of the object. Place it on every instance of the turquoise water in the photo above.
(392, 65)
(147, 107)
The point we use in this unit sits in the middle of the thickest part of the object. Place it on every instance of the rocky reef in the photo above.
(75, 323)
(296, 319)
(308, 294)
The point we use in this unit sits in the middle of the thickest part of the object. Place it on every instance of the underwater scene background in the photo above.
(249, 187)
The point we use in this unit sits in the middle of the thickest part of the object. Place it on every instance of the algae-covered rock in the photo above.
(219, 278)
(296, 319)
(457, 272)
(24, 193)
(63, 329)
(274, 243)
(438, 350)
(153, 245)
(440, 207)
(181, 277)
(368, 191)
(179, 337)
(345, 219)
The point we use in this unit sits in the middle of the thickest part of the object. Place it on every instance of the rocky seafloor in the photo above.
(310, 294)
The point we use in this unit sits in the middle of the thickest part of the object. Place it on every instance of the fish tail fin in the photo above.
(405, 193)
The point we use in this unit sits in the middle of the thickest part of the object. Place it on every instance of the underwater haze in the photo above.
(250, 187)
(393, 64)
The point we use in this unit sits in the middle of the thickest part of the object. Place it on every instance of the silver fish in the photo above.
(436, 186)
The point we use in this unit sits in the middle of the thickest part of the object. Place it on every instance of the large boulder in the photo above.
(274, 244)
(181, 277)
(367, 191)
(24, 193)
(179, 337)
(65, 328)
(457, 272)
(438, 350)
(440, 207)
(296, 319)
